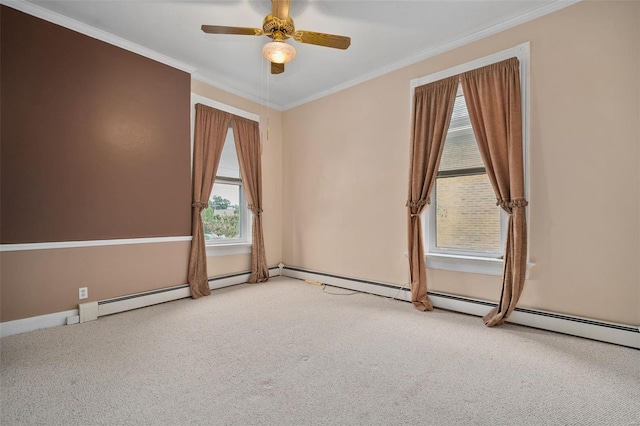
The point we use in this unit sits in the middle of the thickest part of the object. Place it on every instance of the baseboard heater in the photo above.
(149, 298)
(619, 334)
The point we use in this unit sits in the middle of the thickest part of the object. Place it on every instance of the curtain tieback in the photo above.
(415, 214)
(200, 205)
(418, 203)
(255, 210)
(516, 202)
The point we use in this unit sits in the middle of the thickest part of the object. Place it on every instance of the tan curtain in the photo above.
(432, 107)
(211, 127)
(247, 138)
(492, 94)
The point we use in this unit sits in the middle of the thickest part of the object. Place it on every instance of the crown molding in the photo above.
(442, 48)
(88, 30)
(203, 79)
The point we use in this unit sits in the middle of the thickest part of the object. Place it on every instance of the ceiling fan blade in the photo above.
(219, 29)
(277, 68)
(280, 8)
(321, 39)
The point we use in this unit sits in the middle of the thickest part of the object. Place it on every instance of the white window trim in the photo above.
(232, 246)
(459, 260)
(431, 248)
(471, 264)
(235, 246)
(229, 249)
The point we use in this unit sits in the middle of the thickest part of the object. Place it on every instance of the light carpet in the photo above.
(287, 353)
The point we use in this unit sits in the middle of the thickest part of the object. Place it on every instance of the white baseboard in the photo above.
(121, 304)
(10, 328)
(620, 334)
(141, 300)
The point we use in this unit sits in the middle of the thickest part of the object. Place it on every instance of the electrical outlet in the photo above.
(83, 293)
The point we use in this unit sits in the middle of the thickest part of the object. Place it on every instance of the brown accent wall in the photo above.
(94, 139)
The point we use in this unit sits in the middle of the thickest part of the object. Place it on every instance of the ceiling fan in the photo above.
(279, 26)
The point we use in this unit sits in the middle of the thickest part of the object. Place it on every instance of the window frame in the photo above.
(232, 246)
(471, 260)
(430, 234)
(245, 216)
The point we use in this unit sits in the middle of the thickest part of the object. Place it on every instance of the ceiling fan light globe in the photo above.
(278, 52)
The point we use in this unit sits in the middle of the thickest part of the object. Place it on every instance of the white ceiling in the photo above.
(385, 35)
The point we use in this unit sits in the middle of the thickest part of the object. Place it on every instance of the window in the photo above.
(226, 219)
(464, 229)
(466, 220)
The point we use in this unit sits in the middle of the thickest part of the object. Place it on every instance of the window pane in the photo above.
(460, 148)
(229, 166)
(221, 219)
(466, 214)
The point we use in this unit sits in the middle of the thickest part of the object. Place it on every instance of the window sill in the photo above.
(470, 264)
(228, 249)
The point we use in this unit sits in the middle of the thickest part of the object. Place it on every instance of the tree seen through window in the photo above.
(221, 219)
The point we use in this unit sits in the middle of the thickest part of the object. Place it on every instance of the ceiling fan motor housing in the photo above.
(273, 25)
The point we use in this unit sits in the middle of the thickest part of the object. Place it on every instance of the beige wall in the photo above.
(39, 282)
(346, 155)
(271, 180)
